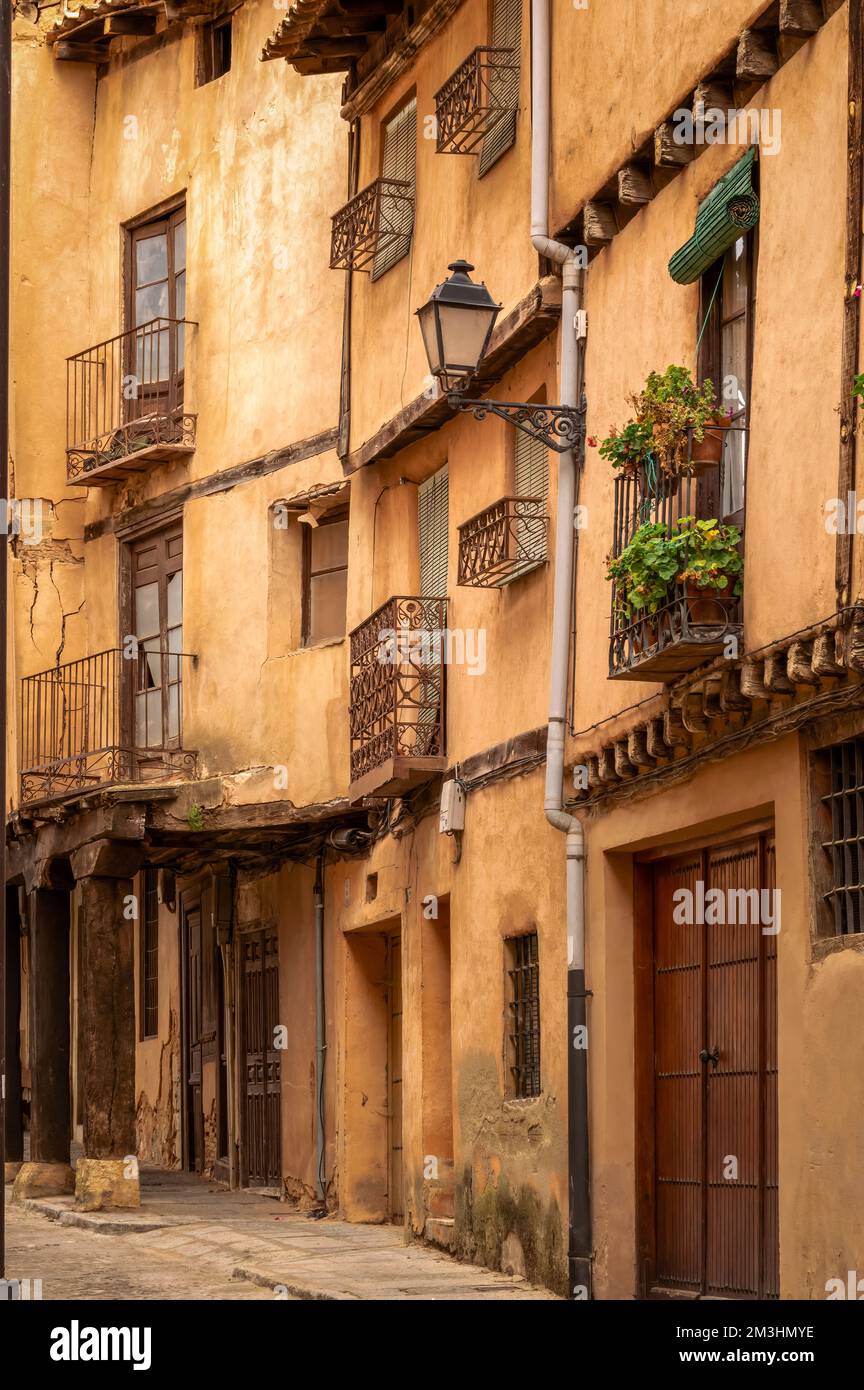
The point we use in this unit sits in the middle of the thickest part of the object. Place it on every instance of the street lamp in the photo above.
(456, 323)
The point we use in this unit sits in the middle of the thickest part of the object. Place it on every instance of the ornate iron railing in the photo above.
(124, 397)
(377, 219)
(502, 542)
(397, 683)
(102, 719)
(693, 624)
(479, 94)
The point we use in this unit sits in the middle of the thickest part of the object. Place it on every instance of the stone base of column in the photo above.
(42, 1180)
(11, 1172)
(101, 1183)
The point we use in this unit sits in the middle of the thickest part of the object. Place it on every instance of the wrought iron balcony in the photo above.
(503, 542)
(397, 697)
(124, 404)
(693, 625)
(103, 719)
(379, 219)
(479, 94)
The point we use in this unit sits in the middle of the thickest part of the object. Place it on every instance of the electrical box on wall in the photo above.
(452, 816)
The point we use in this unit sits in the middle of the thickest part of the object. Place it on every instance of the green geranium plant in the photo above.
(710, 557)
(627, 448)
(704, 553)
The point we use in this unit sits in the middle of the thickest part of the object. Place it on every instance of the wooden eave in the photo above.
(372, 40)
(532, 320)
(84, 34)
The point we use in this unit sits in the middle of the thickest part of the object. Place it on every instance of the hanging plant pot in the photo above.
(708, 451)
(709, 605)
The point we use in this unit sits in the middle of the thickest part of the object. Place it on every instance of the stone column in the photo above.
(107, 1174)
(48, 1172)
(12, 1108)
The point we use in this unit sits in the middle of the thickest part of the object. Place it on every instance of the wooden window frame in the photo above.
(131, 542)
(149, 892)
(206, 49)
(337, 515)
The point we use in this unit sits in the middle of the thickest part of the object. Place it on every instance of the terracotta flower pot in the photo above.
(708, 451)
(709, 605)
(645, 636)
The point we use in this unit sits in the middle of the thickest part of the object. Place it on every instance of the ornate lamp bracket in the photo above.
(559, 427)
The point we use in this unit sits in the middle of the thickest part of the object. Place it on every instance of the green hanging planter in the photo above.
(730, 209)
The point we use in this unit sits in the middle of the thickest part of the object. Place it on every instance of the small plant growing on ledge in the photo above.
(195, 817)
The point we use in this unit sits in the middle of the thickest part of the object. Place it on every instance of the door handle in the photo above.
(713, 1056)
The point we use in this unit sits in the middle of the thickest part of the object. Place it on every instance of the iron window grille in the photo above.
(377, 222)
(503, 542)
(523, 1032)
(844, 815)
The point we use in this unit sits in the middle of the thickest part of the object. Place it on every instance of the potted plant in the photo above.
(710, 567)
(627, 448)
(644, 574)
(676, 409)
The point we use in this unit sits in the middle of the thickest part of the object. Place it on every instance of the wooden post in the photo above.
(13, 1116)
(851, 305)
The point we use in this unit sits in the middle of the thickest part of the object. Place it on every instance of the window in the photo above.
(523, 1015)
(433, 528)
(157, 623)
(505, 31)
(214, 51)
(839, 785)
(325, 578)
(150, 955)
(726, 356)
(531, 479)
(398, 161)
(156, 306)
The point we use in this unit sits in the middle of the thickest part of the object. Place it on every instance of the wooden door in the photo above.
(713, 1193)
(262, 1099)
(193, 1049)
(396, 1180)
(155, 311)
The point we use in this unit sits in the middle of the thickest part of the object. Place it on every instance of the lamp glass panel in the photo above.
(426, 316)
(463, 333)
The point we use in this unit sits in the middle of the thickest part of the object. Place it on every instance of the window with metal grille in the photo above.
(523, 1015)
(505, 32)
(399, 161)
(150, 956)
(840, 780)
(531, 479)
(433, 525)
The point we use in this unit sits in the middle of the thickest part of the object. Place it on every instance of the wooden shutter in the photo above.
(399, 162)
(506, 32)
(432, 520)
(532, 480)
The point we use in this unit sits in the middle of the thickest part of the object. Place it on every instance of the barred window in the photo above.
(150, 956)
(523, 1015)
(505, 32)
(840, 790)
(399, 161)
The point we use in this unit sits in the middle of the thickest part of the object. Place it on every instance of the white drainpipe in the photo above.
(570, 391)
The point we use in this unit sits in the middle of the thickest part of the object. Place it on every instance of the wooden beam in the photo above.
(667, 152)
(139, 22)
(634, 185)
(756, 59)
(711, 95)
(316, 67)
(600, 223)
(347, 47)
(800, 17)
(846, 472)
(340, 26)
(66, 52)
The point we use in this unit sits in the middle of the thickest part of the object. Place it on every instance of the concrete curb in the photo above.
(103, 1223)
(305, 1291)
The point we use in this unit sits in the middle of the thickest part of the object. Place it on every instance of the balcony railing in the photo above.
(124, 404)
(102, 719)
(479, 94)
(503, 542)
(397, 696)
(379, 219)
(693, 625)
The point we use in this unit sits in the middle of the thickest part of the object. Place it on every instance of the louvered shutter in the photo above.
(532, 480)
(432, 521)
(399, 162)
(506, 32)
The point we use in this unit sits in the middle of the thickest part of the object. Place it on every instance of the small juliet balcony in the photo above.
(397, 697)
(502, 542)
(378, 220)
(689, 625)
(101, 720)
(480, 93)
(124, 404)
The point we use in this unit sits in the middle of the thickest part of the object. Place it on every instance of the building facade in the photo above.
(283, 904)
